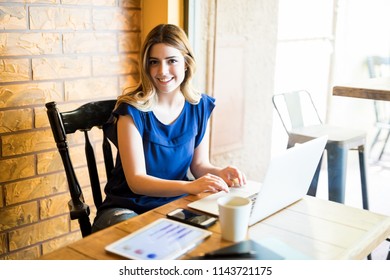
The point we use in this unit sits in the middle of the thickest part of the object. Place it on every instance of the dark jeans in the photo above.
(111, 216)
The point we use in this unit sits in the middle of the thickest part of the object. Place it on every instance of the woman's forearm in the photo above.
(153, 186)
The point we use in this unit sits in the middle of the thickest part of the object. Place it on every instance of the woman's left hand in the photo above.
(232, 176)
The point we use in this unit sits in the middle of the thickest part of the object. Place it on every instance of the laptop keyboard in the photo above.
(253, 198)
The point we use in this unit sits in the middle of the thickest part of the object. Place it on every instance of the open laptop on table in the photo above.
(287, 180)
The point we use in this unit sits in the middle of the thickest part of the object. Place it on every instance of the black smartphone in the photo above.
(192, 218)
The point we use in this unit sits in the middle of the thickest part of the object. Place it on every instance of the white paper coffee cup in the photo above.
(234, 212)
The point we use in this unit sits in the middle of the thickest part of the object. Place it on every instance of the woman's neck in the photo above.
(169, 107)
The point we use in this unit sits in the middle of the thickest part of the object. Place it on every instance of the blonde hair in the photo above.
(144, 96)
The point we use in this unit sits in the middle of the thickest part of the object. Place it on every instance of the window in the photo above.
(322, 43)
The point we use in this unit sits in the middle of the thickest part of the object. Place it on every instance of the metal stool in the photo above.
(302, 123)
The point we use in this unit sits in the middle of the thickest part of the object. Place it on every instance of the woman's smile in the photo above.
(165, 80)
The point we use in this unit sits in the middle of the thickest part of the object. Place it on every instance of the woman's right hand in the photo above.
(207, 183)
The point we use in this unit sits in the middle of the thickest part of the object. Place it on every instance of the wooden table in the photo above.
(375, 89)
(320, 229)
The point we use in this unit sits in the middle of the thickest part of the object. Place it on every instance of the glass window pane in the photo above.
(305, 18)
(304, 65)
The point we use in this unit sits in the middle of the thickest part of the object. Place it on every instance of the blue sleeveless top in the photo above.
(168, 151)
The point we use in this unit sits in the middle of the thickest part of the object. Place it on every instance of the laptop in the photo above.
(287, 180)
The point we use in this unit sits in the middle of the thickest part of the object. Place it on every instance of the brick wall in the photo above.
(69, 51)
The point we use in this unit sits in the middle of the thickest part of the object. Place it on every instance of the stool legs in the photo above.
(337, 169)
(314, 183)
(363, 178)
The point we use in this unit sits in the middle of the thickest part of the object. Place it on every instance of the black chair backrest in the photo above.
(84, 118)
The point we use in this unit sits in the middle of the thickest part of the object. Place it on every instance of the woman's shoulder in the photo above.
(205, 101)
(203, 109)
(124, 108)
(207, 98)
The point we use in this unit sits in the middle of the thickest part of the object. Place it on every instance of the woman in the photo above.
(161, 131)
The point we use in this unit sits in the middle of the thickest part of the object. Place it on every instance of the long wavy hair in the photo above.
(144, 95)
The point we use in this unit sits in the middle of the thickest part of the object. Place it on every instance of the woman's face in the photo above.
(166, 67)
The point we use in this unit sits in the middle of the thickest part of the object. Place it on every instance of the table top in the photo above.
(317, 228)
(376, 89)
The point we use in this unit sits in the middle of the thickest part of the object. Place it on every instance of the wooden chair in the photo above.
(302, 122)
(379, 66)
(84, 118)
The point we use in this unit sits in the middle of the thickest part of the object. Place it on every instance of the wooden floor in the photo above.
(378, 179)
